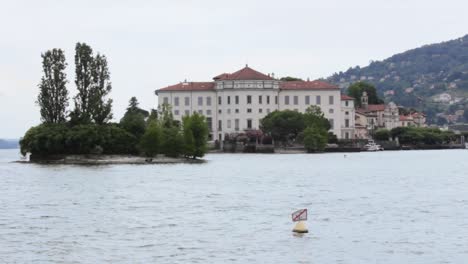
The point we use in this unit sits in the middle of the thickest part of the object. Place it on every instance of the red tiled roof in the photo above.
(222, 75)
(189, 86)
(344, 97)
(373, 108)
(307, 85)
(406, 118)
(246, 73)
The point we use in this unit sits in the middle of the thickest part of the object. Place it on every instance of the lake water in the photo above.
(385, 207)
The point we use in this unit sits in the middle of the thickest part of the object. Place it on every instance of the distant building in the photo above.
(236, 102)
(370, 117)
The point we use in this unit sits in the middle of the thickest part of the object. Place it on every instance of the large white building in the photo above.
(238, 101)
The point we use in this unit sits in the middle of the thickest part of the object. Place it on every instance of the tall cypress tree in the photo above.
(93, 83)
(53, 95)
(83, 82)
(101, 109)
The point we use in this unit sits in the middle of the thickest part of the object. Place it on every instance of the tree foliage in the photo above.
(282, 125)
(92, 80)
(133, 120)
(151, 141)
(54, 139)
(315, 138)
(53, 95)
(290, 79)
(358, 88)
(195, 135)
(287, 125)
(422, 135)
(382, 134)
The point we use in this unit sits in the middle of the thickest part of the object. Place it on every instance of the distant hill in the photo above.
(8, 144)
(433, 77)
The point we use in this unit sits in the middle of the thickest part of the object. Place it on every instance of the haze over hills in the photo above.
(432, 78)
(9, 144)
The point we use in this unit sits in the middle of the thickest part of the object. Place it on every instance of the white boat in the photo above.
(371, 146)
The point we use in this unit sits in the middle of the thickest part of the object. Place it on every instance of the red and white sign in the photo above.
(299, 215)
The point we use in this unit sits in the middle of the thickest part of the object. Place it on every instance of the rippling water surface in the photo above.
(386, 207)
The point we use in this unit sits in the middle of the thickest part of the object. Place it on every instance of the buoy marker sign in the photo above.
(299, 216)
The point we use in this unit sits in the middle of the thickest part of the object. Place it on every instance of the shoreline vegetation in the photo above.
(85, 134)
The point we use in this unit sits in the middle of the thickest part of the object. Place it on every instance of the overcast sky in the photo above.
(152, 44)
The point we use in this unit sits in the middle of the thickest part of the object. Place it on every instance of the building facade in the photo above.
(236, 102)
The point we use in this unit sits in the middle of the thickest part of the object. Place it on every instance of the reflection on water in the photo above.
(386, 207)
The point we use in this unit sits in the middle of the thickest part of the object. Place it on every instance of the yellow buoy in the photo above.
(300, 227)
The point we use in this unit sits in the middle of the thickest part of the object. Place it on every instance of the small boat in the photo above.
(372, 146)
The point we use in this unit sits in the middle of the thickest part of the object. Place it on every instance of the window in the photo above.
(166, 100)
(331, 99)
(268, 110)
(318, 100)
(296, 100)
(331, 121)
(229, 99)
(260, 99)
(346, 123)
(200, 112)
(286, 100)
(331, 111)
(176, 101)
(346, 103)
(208, 112)
(346, 113)
(249, 99)
(208, 100)
(276, 99)
(237, 99)
(229, 123)
(347, 135)
(176, 112)
(219, 111)
(249, 123)
(237, 111)
(260, 110)
(220, 125)
(209, 122)
(219, 100)
(187, 101)
(200, 101)
(249, 110)
(187, 112)
(307, 100)
(236, 124)
(229, 111)
(268, 99)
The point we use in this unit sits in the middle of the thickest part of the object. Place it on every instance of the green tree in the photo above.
(92, 79)
(195, 135)
(133, 120)
(282, 125)
(315, 117)
(315, 138)
(356, 90)
(133, 107)
(101, 108)
(189, 140)
(83, 82)
(382, 134)
(290, 79)
(53, 95)
(173, 145)
(151, 141)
